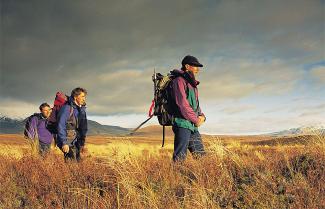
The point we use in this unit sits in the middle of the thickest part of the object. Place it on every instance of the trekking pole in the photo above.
(151, 114)
(132, 132)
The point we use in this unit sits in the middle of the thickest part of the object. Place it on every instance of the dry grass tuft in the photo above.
(124, 174)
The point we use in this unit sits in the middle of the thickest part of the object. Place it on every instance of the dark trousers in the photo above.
(44, 148)
(73, 154)
(186, 139)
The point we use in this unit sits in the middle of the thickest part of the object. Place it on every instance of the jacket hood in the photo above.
(188, 76)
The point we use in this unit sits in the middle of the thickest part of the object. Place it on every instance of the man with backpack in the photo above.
(72, 125)
(187, 115)
(36, 129)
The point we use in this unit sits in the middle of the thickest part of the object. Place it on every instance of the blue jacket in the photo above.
(80, 115)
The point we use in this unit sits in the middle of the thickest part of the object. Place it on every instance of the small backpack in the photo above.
(27, 128)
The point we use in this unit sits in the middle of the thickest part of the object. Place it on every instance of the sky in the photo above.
(264, 61)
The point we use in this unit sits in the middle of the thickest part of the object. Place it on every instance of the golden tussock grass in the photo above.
(125, 174)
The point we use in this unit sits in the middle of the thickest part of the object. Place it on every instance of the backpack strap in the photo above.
(151, 108)
(163, 139)
(70, 111)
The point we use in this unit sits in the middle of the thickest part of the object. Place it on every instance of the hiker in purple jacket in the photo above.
(37, 129)
(187, 114)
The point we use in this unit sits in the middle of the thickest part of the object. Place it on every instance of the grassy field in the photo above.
(135, 172)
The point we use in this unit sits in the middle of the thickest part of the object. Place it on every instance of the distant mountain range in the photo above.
(16, 126)
(304, 130)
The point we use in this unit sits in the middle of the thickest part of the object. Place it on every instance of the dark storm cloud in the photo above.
(58, 45)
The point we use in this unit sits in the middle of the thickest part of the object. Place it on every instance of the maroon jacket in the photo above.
(181, 84)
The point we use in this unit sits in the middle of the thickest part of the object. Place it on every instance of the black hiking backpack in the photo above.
(163, 102)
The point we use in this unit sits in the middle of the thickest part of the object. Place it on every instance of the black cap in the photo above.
(191, 61)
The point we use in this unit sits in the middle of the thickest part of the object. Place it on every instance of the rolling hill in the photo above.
(153, 130)
(16, 126)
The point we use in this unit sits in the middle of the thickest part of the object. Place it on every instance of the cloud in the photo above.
(316, 110)
(257, 124)
(127, 91)
(111, 48)
(17, 108)
(237, 78)
(319, 74)
(238, 109)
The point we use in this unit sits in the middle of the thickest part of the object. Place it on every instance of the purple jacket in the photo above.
(179, 88)
(38, 125)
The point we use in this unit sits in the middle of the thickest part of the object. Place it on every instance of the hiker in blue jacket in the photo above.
(72, 125)
(37, 129)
